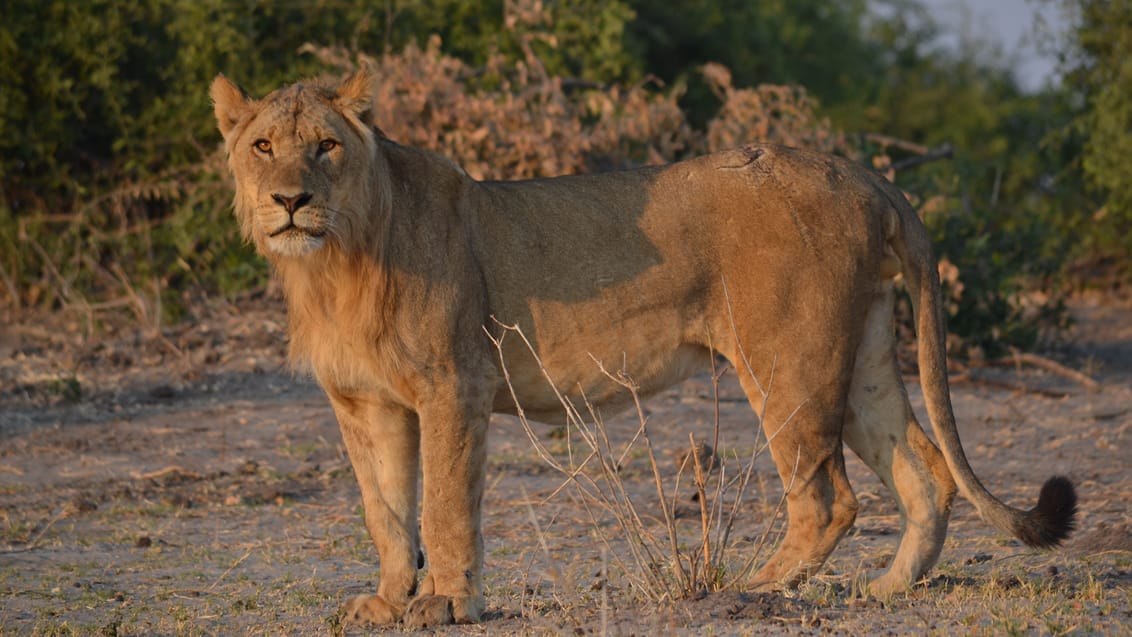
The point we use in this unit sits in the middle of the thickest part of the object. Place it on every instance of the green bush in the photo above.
(1101, 73)
(111, 189)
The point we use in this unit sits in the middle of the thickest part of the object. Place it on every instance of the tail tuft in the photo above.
(1053, 519)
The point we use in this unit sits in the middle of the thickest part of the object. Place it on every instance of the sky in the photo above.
(1008, 23)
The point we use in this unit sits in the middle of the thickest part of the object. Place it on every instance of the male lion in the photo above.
(394, 261)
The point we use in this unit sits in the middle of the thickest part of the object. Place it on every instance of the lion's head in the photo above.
(303, 159)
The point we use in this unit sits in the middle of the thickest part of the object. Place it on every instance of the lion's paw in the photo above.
(888, 586)
(369, 609)
(428, 611)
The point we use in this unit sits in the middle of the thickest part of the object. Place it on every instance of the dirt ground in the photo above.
(184, 482)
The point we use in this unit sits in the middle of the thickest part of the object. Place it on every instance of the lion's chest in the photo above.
(348, 363)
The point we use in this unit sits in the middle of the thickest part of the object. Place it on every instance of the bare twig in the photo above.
(923, 154)
(556, 575)
(34, 542)
(763, 539)
(669, 516)
(896, 142)
(170, 470)
(1016, 360)
(229, 570)
(616, 501)
(701, 483)
(67, 294)
(701, 569)
(10, 285)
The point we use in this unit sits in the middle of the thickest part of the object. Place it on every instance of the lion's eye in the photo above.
(262, 145)
(327, 145)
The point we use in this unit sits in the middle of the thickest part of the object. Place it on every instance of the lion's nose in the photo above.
(292, 202)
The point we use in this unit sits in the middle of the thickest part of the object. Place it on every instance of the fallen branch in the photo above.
(968, 377)
(172, 469)
(1017, 359)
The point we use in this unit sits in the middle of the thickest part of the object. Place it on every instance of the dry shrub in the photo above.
(512, 121)
(779, 114)
(659, 557)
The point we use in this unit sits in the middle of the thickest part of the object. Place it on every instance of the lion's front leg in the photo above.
(383, 442)
(453, 453)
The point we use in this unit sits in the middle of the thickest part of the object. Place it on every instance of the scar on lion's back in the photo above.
(743, 157)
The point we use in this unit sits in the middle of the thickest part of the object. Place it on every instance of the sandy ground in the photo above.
(183, 482)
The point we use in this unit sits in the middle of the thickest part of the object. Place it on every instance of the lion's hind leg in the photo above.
(820, 508)
(881, 428)
(803, 425)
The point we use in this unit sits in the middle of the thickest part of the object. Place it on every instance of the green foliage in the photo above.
(113, 192)
(816, 43)
(71, 84)
(1102, 74)
(1001, 208)
(106, 134)
(990, 290)
(585, 40)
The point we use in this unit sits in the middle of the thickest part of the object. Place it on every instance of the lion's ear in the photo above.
(229, 102)
(358, 92)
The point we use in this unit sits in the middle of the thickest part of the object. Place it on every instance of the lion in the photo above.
(394, 263)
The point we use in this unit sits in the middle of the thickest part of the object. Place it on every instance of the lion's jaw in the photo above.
(298, 159)
(279, 232)
(294, 242)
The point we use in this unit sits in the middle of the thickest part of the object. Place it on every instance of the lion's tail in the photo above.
(1052, 519)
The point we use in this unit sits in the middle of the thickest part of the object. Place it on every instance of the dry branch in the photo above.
(943, 152)
(1022, 388)
(885, 141)
(1018, 358)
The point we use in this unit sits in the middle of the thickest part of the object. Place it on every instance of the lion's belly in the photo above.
(650, 353)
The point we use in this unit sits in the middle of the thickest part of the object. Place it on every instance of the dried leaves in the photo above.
(510, 120)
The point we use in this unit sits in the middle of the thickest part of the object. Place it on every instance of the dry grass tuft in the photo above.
(663, 557)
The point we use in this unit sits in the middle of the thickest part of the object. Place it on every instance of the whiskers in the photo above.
(276, 232)
(333, 227)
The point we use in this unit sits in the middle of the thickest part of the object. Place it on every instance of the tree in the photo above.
(1099, 61)
(584, 37)
(819, 44)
